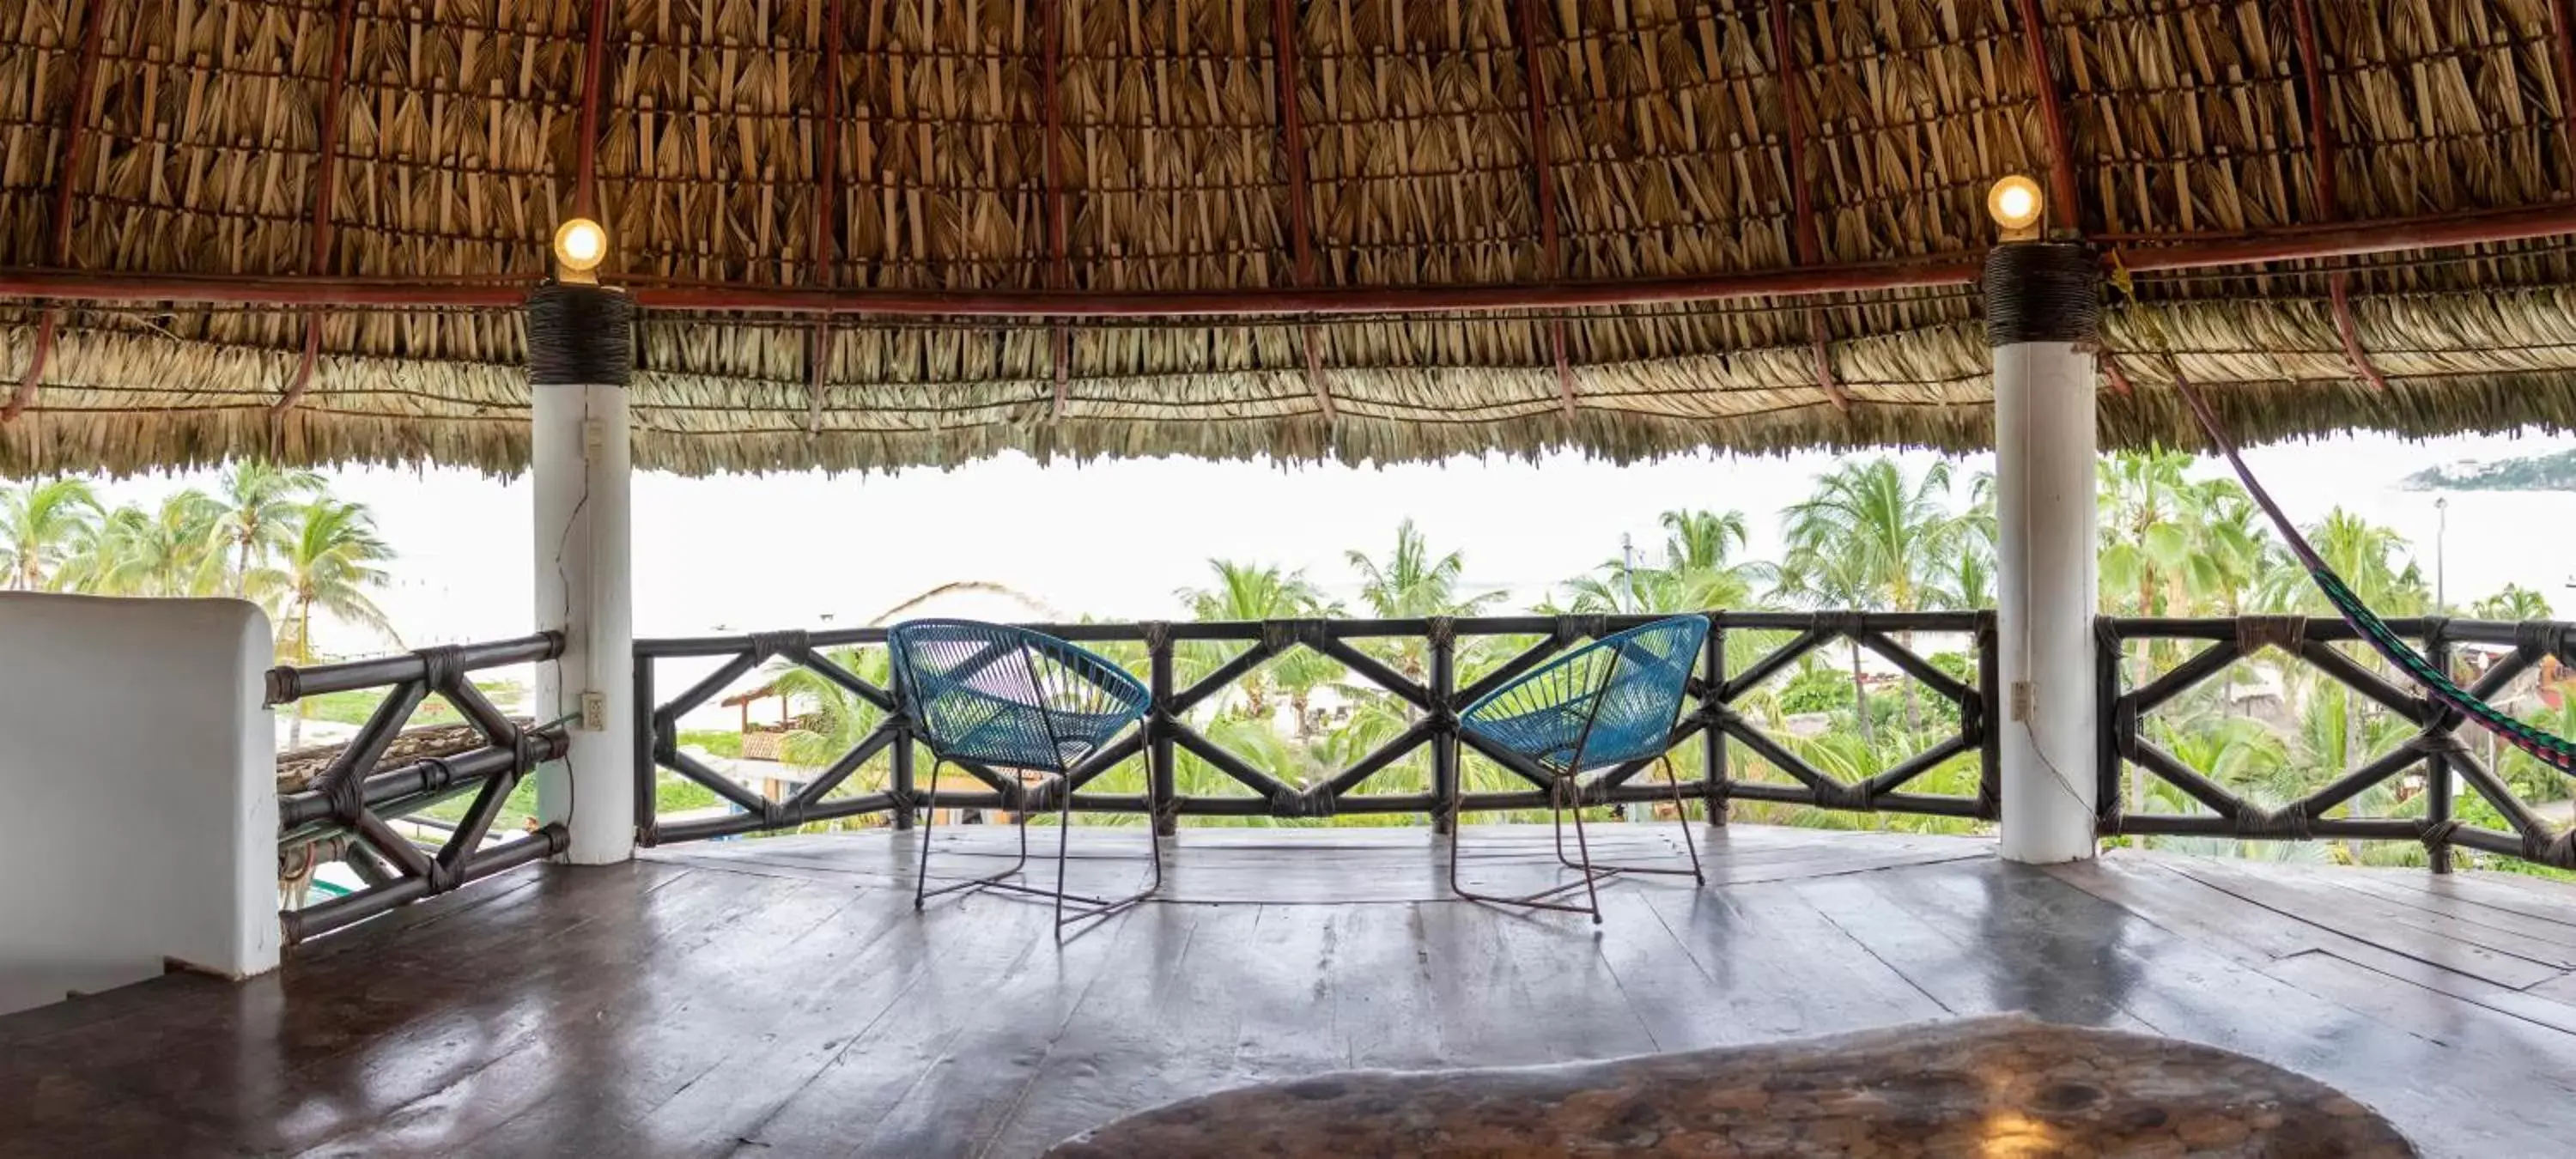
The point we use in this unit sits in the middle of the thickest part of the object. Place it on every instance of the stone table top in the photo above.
(1984, 1087)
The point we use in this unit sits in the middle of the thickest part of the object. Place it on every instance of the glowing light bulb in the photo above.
(2015, 204)
(580, 245)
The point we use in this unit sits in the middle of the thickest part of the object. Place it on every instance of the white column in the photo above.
(2045, 515)
(585, 589)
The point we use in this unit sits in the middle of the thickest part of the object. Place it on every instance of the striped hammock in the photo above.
(2550, 750)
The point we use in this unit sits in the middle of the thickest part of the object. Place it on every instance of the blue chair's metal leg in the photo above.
(1100, 908)
(920, 890)
(1591, 888)
(1680, 812)
(1063, 849)
(1543, 899)
(929, 821)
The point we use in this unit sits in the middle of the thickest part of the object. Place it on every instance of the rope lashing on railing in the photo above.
(2535, 639)
(1279, 635)
(2289, 821)
(1441, 632)
(1314, 801)
(2254, 633)
(790, 644)
(442, 666)
(1845, 623)
(1570, 628)
(347, 795)
(1834, 794)
(2441, 740)
(2440, 832)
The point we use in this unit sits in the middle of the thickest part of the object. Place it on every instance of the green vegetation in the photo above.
(272, 536)
(1871, 535)
(713, 741)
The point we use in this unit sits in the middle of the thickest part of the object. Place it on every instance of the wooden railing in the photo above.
(2434, 754)
(344, 814)
(1432, 668)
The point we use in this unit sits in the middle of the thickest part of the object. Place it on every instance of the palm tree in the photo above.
(2515, 602)
(177, 550)
(1702, 570)
(258, 500)
(1870, 535)
(1410, 583)
(1245, 591)
(328, 561)
(39, 524)
(2146, 532)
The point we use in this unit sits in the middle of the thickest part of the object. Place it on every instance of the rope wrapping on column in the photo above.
(2042, 292)
(580, 335)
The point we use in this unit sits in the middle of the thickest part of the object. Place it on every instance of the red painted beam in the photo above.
(2322, 154)
(2119, 379)
(594, 66)
(1292, 147)
(1804, 236)
(36, 358)
(1534, 84)
(2361, 365)
(2062, 187)
(2358, 239)
(325, 191)
(75, 147)
(827, 218)
(1059, 268)
(2298, 244)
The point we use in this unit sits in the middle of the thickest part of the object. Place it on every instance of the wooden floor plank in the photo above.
(2466, 950)
(780, 997)
(1942, 943)
(2069, 940)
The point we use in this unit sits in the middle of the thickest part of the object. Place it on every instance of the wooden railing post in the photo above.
(904, 812)
(2437, 764)
(1162, 788)
(1443, 634)
(2109, 753)
(1990, 753)
(647, 770)
(1712, 740)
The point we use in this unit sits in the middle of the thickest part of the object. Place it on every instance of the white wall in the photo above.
(138, 795)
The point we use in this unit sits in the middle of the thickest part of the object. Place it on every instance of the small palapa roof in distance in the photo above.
(173, 179)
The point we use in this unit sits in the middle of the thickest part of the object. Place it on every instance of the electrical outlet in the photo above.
(2025, 700)
(594, 712)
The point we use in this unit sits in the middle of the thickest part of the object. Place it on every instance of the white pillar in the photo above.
(2041, 307)
(584, 564)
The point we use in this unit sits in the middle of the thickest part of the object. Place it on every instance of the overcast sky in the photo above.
(1117, 539)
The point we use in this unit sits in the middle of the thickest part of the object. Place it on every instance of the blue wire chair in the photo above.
(999, 697)
(1606, 704)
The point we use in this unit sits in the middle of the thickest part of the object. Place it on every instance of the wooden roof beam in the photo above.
(325, 191)
(1804, 237)
(2062, 186)
(2322, 153)
(1292, 148)
(1534, 84)
(594, 68)
(2295, 244)
(75, 144)
(1059, 266)
(827, 218)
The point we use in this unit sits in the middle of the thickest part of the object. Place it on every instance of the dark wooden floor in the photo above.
(780, 997)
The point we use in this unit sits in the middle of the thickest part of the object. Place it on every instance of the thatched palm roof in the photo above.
(868, 146)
